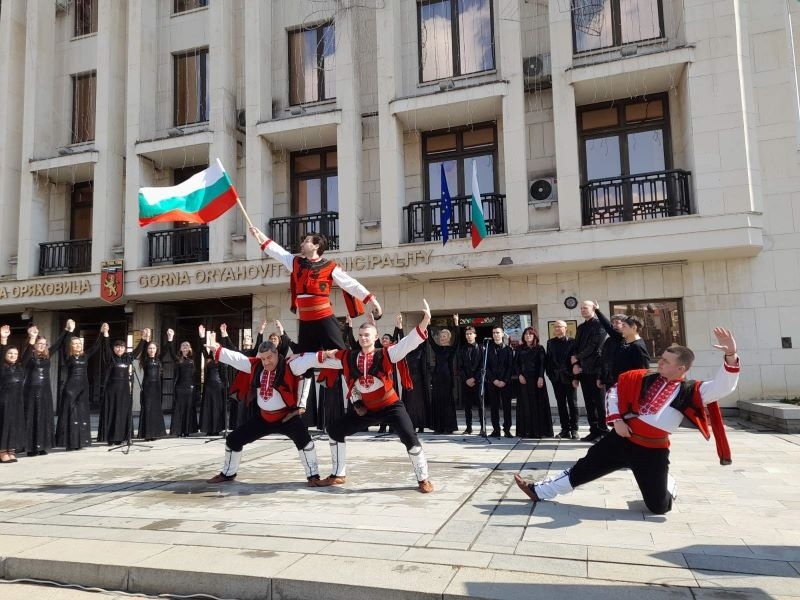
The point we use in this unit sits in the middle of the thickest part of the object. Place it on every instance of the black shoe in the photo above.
(564, 435)
(482, 433)
(495, 433)
(575, 435)
(382, 429)
(421, 430)
(467, 431)
(220, 478)
(507, 433)
(590, 438)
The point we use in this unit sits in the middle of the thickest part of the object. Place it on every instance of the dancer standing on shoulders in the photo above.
(644, 409)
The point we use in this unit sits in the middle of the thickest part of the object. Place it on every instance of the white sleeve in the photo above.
(398, 351)
(724, 383)
(612, 406)
(279, 253)
(235, 359)
(300, 363)
(304, 386)
(349, 284)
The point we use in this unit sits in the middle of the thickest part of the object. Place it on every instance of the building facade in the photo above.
(640, 153)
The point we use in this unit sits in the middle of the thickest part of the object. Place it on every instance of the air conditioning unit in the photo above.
(543, 192)
(62, 6)
(537, 71)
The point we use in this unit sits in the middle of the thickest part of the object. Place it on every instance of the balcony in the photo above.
(636, 197)
(71, 256)
(178, 246)
(290, 231)
(424, 219)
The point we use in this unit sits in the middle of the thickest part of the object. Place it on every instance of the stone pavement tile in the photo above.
(448, 545)
(11, 545)
(726, 594)
(289, 531)
(628, 539)
(796, 566)
(732, 564)
(676, 576)
(447, 557)
(346, 578)
(636, 557)
(86, 562)
(472, 511)
(487, 584)
(785, 586)
(360, 549)
(459, 531)
(226, 573)
(497, 537)
(726, 546)
(374, 536)
(552, 550)
(538, 564)
(27, 591)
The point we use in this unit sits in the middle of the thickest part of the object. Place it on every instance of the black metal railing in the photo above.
(290, 231)
(178, 246)
(424, 219)
(71, 256)
(636, 197)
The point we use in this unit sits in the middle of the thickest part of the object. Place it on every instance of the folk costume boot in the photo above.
(229, 467)
(338, 465)
(308, 458)
(420, 463)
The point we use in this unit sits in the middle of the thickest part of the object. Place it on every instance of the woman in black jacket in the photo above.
(151, 415)
(534, 418)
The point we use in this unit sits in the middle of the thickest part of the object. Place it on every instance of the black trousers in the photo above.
(471, 397)
(322, 334)
(257, 428)
(595, 400)
(498, 397)
(567, 402)
(394, 415)
(650, 467)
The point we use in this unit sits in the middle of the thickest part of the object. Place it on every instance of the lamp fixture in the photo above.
(666, 263)
(130, 307)
(27, 314)
(505, 261)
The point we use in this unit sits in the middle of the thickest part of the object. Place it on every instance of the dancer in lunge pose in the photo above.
(644, 409)
(280, 390)
(368, 373)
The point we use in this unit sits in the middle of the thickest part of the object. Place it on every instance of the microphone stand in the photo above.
(126, 445)
(485, 435)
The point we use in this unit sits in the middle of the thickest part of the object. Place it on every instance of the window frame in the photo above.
(323, 173)
(176, 11)
(651, 348)
(459, 154)
(455, 41)
(78, 201)
(90, 111)
(616, 30)
(78, 23)
(320, 68)
(621, 131)
(205, 103)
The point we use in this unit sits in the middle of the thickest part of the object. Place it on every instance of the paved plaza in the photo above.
(147, 522)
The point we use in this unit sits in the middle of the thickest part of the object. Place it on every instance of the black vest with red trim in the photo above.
(315, 278)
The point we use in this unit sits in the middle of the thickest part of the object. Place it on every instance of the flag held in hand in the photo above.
(200, 199)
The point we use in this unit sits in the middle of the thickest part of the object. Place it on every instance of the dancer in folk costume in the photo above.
(644, 409)
(368, 373)
(311, 280)
(278, 387)
(241, 412)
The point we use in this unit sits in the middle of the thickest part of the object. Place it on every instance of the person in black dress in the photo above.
(12, 417)
(184, 417)
(37, 394)
(151, 416)
(116, 423)
(417, 399)
(444, 406)
(73, 428)
(212, 409)
(534, 419)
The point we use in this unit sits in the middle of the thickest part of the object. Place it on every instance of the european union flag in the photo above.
(447, 208)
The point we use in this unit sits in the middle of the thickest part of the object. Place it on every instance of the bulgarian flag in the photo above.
(200, 199)
(478, 224)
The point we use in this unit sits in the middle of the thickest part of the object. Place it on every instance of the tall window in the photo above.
(457, 150)
(625, 138)
(315, 182)
(85, 17)
(455, 38)
(80, 222)
(663, 322)
(84, 90)
(600, 24)
(191, 87)
(311, 64)
(179, 6)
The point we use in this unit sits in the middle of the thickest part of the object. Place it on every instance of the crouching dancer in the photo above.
(281, 396)
(644, 410)
(368, 373)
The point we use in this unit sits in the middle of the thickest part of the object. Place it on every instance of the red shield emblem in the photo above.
(111, 280)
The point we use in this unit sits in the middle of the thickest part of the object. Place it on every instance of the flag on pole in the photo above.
(447, 207)
(478, 230)
(200, 199)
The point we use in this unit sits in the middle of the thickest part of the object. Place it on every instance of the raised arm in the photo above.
(606, 324)
(273, 249)
(416, 337)
(102, 341)
(727, 378)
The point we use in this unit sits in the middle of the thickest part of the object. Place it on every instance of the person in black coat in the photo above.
(469, 361)
(586, 364)
(184, 416)
(629, 352)
(212, 408)
(73, 428)
(12, 413)
(533, 404)
(116, 423)
(559, 370)
(151, 415)
(609, 348)
(37, 394)
(443, 404)
(418, 399)
(499, 366)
